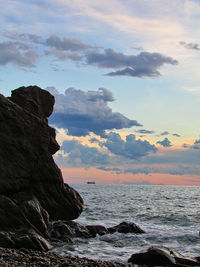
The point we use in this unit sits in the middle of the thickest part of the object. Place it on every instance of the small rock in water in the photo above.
(161, 256)
(126, 227)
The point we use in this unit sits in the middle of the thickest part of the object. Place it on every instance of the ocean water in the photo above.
(170, 215)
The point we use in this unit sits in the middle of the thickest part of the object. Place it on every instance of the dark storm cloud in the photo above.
(165, 142)
(17, 54)
(130, 148)
(192, 46)
(82, 112)
(143, 131)
(143, 64)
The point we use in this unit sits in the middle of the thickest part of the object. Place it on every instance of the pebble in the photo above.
(25, 257)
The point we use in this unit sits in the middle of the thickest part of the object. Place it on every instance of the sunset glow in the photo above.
(125, 76)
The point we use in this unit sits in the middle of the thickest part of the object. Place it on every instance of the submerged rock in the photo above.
(32, 190)
(161, 256)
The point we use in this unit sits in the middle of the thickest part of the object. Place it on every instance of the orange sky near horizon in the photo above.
(81, 175)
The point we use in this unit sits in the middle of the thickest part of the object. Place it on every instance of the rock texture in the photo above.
(162, 256)
(32, 190)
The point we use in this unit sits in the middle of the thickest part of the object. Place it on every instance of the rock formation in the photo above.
(162, 256)
(32, 190)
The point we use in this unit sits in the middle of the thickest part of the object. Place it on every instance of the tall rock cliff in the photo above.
(32, 190)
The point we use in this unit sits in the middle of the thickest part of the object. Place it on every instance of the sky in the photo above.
(125, 76)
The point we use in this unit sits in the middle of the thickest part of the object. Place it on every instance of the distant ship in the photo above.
(90, 182)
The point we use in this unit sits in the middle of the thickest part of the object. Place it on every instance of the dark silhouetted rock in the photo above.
(58, 230)
(97, 229)
(78, 230)
(126, 227)
(32, 190)
(161, 256)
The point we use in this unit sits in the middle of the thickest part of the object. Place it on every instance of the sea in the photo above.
(170, 216)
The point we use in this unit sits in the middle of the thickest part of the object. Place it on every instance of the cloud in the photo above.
(103, 94)
(130, 148)
(165, 142)
(64, 55)
(66, 43)
(141, 65)
(192, 46)
(180, 170)
(23, 37)
(177, 135)
(165, 133)
(64, 48)
(143, 131)
(82, 112)
(79, 155)
(196, 145)
(147, 170)
(17, 54)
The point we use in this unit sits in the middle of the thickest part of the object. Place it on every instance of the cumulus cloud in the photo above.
(17, 54)
(143, 131)
(165, 142)
(79, 155)
(130, 148)
(141, 65)
(102, 94)
(192, 46)
(83, 112)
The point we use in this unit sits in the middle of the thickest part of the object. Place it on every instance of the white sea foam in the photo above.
(169, 214)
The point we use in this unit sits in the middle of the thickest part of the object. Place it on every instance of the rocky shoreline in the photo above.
(37, 208)
(26, 257)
